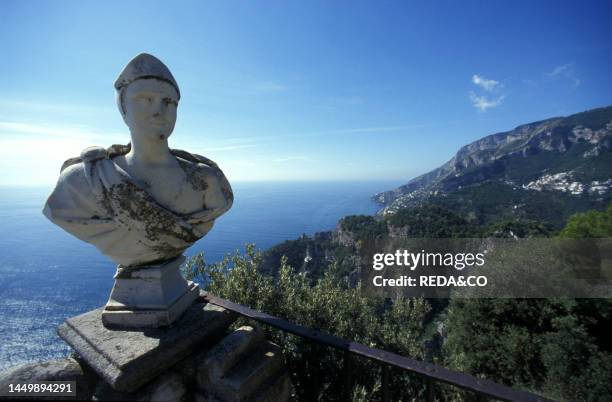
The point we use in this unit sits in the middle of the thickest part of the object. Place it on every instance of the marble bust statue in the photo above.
(141, 204)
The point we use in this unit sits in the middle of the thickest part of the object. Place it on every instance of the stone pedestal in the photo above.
(127, 359)
(149, 296)
(194, 360)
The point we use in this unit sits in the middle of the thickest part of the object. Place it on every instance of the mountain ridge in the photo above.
(570, 155)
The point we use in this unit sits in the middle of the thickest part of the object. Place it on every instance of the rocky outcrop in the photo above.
(343, 237)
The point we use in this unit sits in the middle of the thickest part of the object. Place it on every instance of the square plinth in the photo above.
(149, 296)
(127, 359)
(120, 316)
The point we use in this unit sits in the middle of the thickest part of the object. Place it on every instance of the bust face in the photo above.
(150, 108)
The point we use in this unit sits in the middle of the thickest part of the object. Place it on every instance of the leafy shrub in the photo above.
(330, 306)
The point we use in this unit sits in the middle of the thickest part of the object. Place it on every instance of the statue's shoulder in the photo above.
(194, 158)
(95, 153)
(198, 167)
(73, 174)
(89, 154)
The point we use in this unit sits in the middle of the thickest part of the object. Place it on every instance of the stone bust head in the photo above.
(147, 97)
(141, 203)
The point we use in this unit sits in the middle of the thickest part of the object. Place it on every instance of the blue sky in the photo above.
(298, 90)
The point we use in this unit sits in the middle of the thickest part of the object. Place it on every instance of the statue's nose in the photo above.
(158, 107)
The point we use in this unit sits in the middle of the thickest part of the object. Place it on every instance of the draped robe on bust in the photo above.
(100, 203)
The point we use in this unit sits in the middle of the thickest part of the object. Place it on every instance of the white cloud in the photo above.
(33, 153)
(566, 72)
(490, 96)
(484, 83)
(482, 103)
(560, 70)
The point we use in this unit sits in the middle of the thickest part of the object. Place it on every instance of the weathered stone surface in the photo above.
(279, 390)
(226, 354)
(54, 370)
(170, 387)
(243, 367)
(167, 387)
(250, 374)
(127, 359)
(150, 296)
(104, 392)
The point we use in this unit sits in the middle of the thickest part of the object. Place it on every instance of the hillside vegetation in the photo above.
(559, 348)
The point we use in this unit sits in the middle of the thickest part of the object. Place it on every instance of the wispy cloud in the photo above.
(50, 106)
(243, 163)
(236, 143)
(484, 83)
(323, 133)
(293, 159)
(355, 130)
(483, 103)
(491, 93)
(33, 153)
(529, 82)
(37, 130)
(565, 72)
(46, 147)
(231, 147)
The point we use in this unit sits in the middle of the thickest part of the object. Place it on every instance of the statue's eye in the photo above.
(170, 101)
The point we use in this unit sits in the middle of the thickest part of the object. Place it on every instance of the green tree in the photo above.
(589, 224)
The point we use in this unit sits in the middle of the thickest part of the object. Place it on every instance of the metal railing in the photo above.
(430, 372)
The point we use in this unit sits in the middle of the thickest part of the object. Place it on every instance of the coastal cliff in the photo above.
(561, 160)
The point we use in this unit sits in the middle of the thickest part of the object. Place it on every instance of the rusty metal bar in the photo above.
(347, 374)
(429, 390)
(427, 370)
(386, 390)
(315, 378)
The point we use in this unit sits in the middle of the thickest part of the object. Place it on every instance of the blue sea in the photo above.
(46, 275)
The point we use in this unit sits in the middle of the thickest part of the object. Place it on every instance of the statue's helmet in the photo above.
(141, 67)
